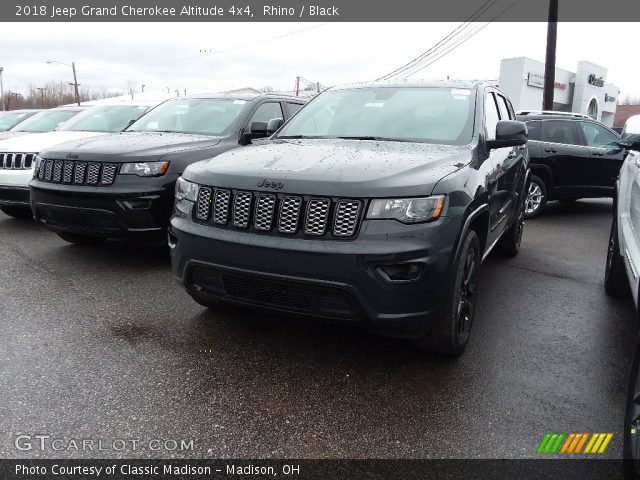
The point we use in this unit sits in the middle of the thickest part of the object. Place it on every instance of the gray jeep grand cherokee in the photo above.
(375, 204)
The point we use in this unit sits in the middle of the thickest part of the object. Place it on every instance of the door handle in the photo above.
(595, 154)
(550, 150)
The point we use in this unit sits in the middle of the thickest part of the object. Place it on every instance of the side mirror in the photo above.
(258, 129)
(509, 133)
(273, 125)
(630, 141)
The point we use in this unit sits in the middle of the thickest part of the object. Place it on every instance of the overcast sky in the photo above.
(160, 55)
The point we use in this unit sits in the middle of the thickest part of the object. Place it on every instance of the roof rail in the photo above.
(552, 113)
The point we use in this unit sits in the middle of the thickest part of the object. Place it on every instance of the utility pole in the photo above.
(550, 61)
(297, 89)
(143, 85)
(2, 89)
(75, 82)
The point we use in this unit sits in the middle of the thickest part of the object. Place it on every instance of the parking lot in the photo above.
(101, 343)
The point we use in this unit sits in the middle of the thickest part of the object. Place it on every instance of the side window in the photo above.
(534, 130)
(597, 136)
(505, 111)
(292, 108)
(560, 131)
(491, 116)
(266, 112)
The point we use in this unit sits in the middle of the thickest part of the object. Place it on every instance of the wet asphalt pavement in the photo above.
(100, 343)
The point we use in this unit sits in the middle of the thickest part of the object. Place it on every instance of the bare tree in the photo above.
(53, 94)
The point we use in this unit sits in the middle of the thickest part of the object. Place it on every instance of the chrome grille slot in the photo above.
(17, 161)
(315, 222)
(27, 160)
(263, 216)
(79, 174)
(203, 209)
(57, 171)
(346, 217)
(67, 174)
(221, 200)
(289, 214)
(108, 173)
(93, 173)
(48, 170)
(241, 209)
(43, 163)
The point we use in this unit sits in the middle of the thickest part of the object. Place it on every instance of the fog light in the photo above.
(402, 272)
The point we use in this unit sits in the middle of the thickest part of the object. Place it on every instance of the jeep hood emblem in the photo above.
(270, 184)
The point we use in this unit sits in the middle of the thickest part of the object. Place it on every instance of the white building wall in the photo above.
(522, 79)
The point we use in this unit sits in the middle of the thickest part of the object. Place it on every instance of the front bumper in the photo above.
(14, 187)
(333, 279)
(136, 208)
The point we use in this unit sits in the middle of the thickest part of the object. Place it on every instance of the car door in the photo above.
(628, 211)
(564, 152)
(606, 155)
(513, 167)
(500, 202)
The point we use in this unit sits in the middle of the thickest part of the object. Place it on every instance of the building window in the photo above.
(592, 111)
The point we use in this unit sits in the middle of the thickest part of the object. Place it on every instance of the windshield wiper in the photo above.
(369, 137)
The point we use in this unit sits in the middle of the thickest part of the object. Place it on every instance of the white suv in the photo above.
(18, 155)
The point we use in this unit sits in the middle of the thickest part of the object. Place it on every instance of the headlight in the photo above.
(186, 190)
(144, 169)
(407, 210)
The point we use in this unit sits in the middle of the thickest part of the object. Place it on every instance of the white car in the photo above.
(17, 155)
(622, 273)
(41, 122)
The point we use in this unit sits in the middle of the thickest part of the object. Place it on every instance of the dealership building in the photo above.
(584, 91)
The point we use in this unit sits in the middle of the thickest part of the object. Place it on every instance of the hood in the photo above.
(13, 134)
(117, 146)
(333, 167)
(37, 142)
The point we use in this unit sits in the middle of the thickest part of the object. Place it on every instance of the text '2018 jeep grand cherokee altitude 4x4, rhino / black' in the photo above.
(374, 204)
(121, 185)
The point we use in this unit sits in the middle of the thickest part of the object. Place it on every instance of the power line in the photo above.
(463, 40)
(455, 32)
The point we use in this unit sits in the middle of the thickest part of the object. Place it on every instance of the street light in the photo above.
(75, 79)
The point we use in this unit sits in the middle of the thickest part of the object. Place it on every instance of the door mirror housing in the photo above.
(273, 125)
(630, 141)
(509, 133)
(259, 129)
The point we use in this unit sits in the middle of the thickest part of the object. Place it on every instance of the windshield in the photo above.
(44, 121)
(10, 119)
(108, 118)
(206, 116)
(432, 115)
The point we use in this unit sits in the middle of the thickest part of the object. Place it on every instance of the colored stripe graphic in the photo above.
(572, 443)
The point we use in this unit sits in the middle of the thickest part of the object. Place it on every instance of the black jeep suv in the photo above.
(375, 204)
(572, 157)
(121, 185)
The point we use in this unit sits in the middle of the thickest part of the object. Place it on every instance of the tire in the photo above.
(536, 197)
(78, 239)
(451, 328)
(17, 212)
(509, 244)
(615, 277)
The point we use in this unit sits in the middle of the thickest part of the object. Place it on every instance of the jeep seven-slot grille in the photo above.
(280, 213)
(16, 161)
(81, 173)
